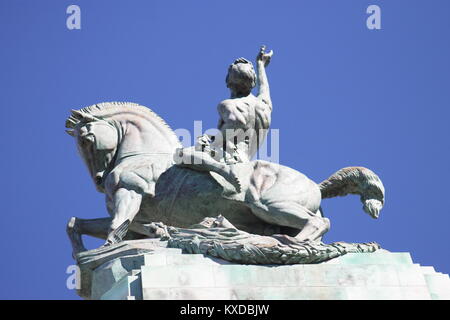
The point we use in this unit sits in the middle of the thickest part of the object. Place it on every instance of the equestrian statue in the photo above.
(149, 180)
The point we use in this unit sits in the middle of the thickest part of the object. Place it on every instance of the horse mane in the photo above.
(102, 110)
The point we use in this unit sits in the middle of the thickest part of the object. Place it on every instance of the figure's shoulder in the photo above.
(240, 105)
(255, 101)
(263, 104)
(249, 100)
(225, 102)
(252, 97)
(226, 105)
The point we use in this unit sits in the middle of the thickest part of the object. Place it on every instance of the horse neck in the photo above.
(146, 137)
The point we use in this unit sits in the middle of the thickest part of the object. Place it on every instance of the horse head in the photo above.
(109, 132)
(97, 143)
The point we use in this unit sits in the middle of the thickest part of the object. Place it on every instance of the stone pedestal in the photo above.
(146, 269)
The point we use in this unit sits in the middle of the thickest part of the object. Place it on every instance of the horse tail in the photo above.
(356, 180)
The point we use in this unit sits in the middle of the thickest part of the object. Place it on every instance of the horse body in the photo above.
(184, 197)
(143, 185)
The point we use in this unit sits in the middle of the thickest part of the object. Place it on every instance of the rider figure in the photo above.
(243, 124)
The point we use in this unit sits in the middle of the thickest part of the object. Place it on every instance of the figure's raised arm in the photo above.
(262, 60)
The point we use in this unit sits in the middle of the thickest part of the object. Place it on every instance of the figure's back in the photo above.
(249, 114)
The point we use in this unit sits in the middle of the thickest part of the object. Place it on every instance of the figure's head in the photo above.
(97, 142)
(241, 77)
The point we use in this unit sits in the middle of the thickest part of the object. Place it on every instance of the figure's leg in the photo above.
(202, 161)
(291, 214)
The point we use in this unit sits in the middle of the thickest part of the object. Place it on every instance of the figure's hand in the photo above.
(205, 140)
(263, 56)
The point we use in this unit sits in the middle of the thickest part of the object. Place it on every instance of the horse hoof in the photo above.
(71, 224)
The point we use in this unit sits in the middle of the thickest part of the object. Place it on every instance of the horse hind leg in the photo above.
(315, 228)
(312, 226)
(327, 221)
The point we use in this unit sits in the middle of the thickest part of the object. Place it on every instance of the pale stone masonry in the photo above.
(168, 274)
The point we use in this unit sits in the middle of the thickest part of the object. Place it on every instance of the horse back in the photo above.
(184, 197)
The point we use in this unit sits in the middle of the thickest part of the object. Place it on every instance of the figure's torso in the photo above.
(249, 114)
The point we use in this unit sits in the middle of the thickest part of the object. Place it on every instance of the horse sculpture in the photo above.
(129, 152)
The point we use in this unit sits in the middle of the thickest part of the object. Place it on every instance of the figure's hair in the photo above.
(241, 76)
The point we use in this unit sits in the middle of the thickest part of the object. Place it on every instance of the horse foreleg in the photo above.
(126, 204)
(76, 227)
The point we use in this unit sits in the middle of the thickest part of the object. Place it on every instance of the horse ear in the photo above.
(82, 116)
(77, 114)
(70, 133)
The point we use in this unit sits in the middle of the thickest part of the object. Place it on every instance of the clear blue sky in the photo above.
(342, 94)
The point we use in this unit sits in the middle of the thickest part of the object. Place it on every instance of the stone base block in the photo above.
(155, 273)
